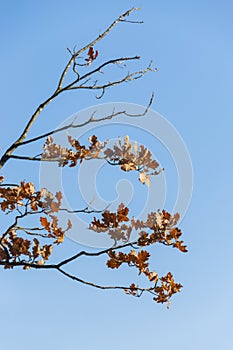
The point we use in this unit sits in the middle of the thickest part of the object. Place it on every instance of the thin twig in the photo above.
(90, 120)
(135, 22)
(98, 69)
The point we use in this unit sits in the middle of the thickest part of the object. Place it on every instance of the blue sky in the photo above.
(191, 45)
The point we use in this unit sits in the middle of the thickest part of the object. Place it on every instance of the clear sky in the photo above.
(190, 42)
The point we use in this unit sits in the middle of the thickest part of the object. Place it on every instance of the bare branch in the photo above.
(92, 43)
(25, 157)
(135, 22)
(85, 211)
(127, 78)
(22, 137)
(74, 278)
(90, 120)
(98, 69)
(9, 185)
(28, 232)
(95, 254)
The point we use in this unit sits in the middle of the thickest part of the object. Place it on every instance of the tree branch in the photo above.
(98, 69)
(92, 43)
(58, 90)
(127, 78)
(90, 120)
(95, 254)
(74, 278)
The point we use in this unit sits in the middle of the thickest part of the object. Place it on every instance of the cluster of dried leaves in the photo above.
(127, 155)
(160, 227)
(71, 156)
(25, 202)
(21, 246)
(131, 156)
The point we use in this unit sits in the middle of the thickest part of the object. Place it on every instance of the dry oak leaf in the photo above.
(132, 290)
(144, 179)
(92, 55)
(181, 247)
(45, 223)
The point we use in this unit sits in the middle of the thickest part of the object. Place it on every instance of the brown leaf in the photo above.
(181, 247)
(69, 224)
(144, 179)
(46, 251)
(113, 264)
(54, 207)
(92, 55)
(45, 223)
(153, 276)
(59, 196)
